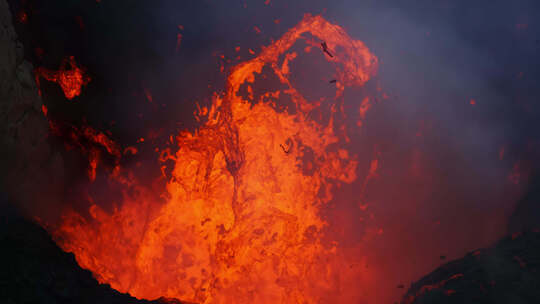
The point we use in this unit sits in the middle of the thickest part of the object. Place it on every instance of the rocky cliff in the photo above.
(30, 166)
(508, 272)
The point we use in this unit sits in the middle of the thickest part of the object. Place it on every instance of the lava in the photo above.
(438, 285)
(70, 80)
(89, 142)
(241, 218)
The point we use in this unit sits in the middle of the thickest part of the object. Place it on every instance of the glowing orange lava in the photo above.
(241, 221)
(70, 80)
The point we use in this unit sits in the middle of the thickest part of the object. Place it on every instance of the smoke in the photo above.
(459, 86)
(435, 59)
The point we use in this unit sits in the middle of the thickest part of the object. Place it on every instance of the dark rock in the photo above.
(31, 168)
(508, 272)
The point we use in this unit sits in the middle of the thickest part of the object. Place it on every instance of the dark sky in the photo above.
(435, 57)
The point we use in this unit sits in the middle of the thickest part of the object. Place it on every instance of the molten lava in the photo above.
(241, 221)
(70, 80)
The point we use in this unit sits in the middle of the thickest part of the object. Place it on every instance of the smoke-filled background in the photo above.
(455, 130)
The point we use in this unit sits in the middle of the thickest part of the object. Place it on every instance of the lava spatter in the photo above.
(71, 79)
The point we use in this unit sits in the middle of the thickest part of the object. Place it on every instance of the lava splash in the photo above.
(71, 79)
(241, 221)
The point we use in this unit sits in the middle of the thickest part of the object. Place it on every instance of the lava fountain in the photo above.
(241, 218)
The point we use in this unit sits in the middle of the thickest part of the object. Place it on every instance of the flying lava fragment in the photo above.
(325, 49)
(71, 79)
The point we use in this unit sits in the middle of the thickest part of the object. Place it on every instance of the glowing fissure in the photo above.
(241, 222)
